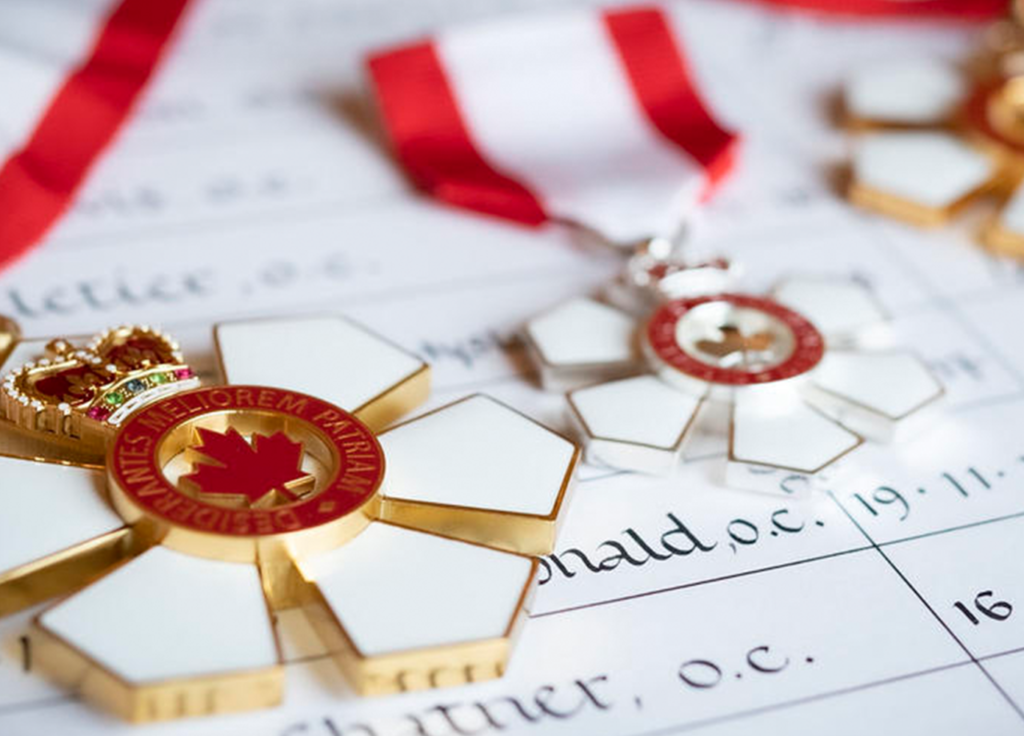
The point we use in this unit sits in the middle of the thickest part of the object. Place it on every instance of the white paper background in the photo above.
(251, 183)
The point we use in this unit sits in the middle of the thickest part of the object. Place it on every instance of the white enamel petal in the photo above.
(394, 589)
(167, 615)
(930, 169)
(790, 436)
(477, 453)
(843, 310)
(582, 341)
(633, 424)
(331, 358)
(49, 508)
(873, 392)
(912, 92)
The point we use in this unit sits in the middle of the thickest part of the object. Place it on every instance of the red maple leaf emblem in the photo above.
(267, 472)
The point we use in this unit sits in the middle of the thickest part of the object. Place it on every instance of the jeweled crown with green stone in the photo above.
(78, 392)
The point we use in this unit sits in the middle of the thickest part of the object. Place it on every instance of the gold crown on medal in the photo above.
(71, 390)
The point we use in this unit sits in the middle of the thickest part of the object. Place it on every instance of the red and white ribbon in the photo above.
(588, 118)
(591, 118)
(64, 100)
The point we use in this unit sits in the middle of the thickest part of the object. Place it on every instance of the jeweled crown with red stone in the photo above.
(75, 391)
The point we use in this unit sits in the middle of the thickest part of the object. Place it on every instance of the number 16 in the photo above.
(998, 611)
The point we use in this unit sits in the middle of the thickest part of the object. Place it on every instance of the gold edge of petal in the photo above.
(417, 669)
(1001, 240)
(159, 700)
(268, 604)
(424, 415)
(470, 397)
(517, 532)
(10, 337)
(66, 570)
(397, 401)
(21, 443)
(283, 583)
(522, 534)
(859, 124)
(218, 350)
(906, 210)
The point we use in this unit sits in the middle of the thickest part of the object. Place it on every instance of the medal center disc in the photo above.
(722, 335)
(218, 470)
(732, 339)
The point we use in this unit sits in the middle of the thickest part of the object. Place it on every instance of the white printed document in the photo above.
(253, 181)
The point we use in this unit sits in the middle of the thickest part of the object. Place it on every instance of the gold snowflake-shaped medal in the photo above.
(176, 519)
(932, 139)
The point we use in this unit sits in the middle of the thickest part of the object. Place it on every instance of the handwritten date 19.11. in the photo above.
(889, 502)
